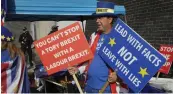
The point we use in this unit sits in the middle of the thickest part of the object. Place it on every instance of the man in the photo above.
(98, 72)
(26, 41)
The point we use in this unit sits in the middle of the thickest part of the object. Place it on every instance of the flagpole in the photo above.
(157, 75)
(77, 83)
(104, 87)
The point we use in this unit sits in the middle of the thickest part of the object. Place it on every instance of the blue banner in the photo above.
(126, 52)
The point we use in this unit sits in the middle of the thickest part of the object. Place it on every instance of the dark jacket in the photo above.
(26, 40)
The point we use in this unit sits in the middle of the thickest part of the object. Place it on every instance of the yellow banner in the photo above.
(104, 10)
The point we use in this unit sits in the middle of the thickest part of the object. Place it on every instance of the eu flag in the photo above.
(3, 11)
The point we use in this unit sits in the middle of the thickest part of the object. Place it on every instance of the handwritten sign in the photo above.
(135, 60)
(167, 51)
(65, 47)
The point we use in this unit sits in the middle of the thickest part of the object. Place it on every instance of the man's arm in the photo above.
(78, 69)
(20, 38)
(30, 38)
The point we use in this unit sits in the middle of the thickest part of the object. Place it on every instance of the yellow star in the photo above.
(8, 38)
(102, 39)
(2, 37)
(12, 38)
(112, 41)
(143, 72)
(2, 11)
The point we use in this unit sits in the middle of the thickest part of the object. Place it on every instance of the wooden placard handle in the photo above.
(77, 83)
(104, 87)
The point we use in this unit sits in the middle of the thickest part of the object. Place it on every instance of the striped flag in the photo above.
(3, 11)
(14, 78)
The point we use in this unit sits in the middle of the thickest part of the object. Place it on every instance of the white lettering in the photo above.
(40, 44)
(42, 52)
(127, 56)
(135, 43)
(121, 67)
(78, 55)
(121, 30)
(134, 80)
(109, 54)
(63, 52)
(56, 64)
(70, 40)
(167, 49)
(151, 57)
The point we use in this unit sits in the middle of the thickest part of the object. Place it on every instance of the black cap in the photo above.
(55, 27)
(24, 28)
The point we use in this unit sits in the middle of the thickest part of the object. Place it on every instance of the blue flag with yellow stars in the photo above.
(3, 11)
(133, 58)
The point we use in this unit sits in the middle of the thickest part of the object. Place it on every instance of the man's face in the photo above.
(24, 30)
(103, 23)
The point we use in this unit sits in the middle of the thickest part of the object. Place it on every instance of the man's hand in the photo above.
(72, 70)
(112, 77)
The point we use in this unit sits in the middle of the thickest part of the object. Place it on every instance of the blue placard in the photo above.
(135, 60)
